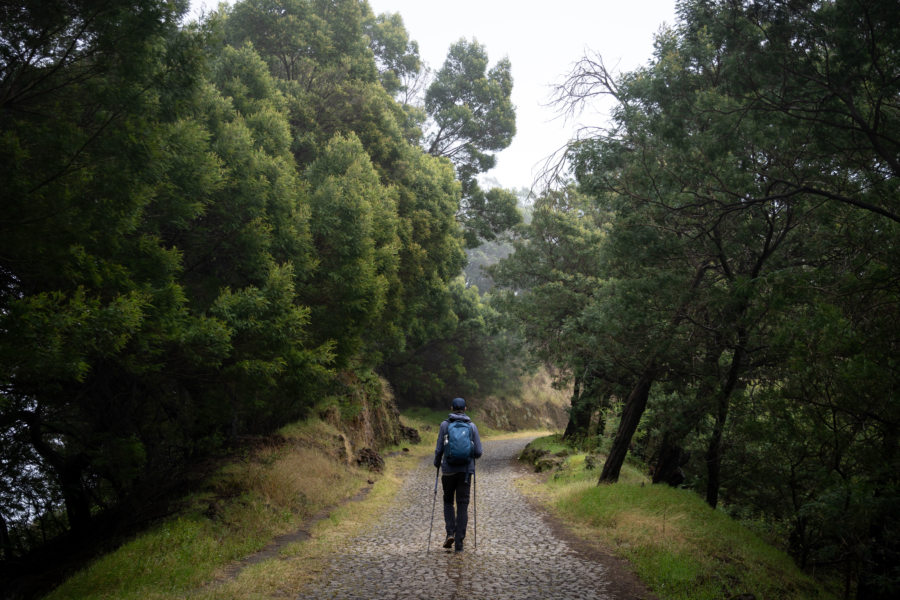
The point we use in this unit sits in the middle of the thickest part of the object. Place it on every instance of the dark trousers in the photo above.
(456, 484)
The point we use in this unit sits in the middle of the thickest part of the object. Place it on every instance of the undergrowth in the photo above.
(274, 490)
(679, 546)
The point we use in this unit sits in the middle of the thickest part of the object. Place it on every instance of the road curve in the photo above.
(518, 556)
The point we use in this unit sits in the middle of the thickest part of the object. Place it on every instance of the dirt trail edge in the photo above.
(522, 552)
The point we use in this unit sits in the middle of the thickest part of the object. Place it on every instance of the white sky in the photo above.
(543, 40)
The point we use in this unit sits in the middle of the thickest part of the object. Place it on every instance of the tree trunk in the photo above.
(671, 456)
(5, 542)
(631, 417)
(78, 506)
(878, 564)
(714, 455)
(69, 471)
(668, 465)
(723, 400)
(637, 398)
(579, 416)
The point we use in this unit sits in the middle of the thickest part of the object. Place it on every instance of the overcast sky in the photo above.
(542, 39)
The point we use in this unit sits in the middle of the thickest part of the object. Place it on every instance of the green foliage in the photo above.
(746, 193)
(348, 293)
(679, 546)
(396, 55)
(470, 114)
(207, 228)
(92, 312)
(486, 215)
(471, 109)
(555, 267)
(553, 291)
(299, 37)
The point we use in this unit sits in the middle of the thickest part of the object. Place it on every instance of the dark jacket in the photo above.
(440, 461)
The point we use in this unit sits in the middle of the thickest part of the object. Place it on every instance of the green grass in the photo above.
(419, 417)
(241, 508)
(170, 559)
(245, 505)
(551, 443)
(679, 546)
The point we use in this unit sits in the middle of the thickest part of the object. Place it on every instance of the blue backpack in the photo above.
(459, 444)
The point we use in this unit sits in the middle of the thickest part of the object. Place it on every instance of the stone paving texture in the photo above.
(517, 556)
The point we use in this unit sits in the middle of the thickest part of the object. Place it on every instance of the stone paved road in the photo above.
(518, 557)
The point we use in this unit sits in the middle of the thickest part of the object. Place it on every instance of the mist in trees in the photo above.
(719, 278)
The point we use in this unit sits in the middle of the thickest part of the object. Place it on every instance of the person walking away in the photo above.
(458, 445)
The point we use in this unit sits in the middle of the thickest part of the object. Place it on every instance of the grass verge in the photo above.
(680, 547)
(275, 490)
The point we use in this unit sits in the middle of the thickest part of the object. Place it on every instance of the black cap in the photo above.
(458, 404)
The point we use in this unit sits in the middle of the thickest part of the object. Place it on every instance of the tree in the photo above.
(300, 37)
(396, 55)
(749, 172)
(349, 290)
(148, 305)
(430, 257)
(90, 306)
(471, 109)
(471, 115)
(249, 253)
(829, 71)
(551, 281)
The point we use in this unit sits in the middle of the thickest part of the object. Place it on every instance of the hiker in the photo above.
(457, 463)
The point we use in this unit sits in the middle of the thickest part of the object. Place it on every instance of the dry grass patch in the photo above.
(518, 435)
(298, 479)
(302, 562)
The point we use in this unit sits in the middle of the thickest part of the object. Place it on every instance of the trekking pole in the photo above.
(475, 506)
(433, 503)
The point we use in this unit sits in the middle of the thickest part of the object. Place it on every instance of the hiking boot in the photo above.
(459, 546)
(449, 542)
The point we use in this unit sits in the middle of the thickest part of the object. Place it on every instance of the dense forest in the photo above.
(719, 272)
(211, 229)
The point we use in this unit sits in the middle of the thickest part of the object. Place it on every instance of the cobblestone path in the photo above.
(517, 556)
